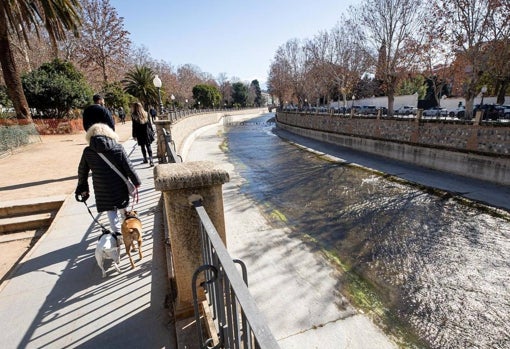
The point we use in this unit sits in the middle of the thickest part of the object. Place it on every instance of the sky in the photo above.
(238, 38)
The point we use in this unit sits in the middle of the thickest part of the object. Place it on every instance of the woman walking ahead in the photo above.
(110, 189)
(142, 131)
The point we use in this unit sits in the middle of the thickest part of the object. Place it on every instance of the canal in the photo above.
(426, 263)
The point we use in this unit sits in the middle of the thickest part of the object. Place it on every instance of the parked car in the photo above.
(339, 110)
(367, 110)
(406, 110)
(459, 112)
(490, 111)
(506, 111)
(435, 111)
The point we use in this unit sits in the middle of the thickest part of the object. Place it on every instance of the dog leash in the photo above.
(103, 228)
(136, 197)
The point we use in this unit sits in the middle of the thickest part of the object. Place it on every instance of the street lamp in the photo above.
(484, 91)
(186, 103)
(157, 83)
(198, 104)
(353, 99)
(172, 97)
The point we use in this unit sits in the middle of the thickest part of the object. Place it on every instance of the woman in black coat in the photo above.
(142, 131)
(110, 190)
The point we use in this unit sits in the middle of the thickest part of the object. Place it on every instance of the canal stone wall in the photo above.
(181, 129)
(477, 151)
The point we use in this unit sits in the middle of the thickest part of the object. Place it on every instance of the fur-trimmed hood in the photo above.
(101, 137)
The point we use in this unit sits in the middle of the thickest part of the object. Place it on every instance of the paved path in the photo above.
(56, 297)
(295, 288)
(474, 189)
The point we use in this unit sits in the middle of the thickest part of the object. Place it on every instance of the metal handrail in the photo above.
(239, 322)
(171, 153)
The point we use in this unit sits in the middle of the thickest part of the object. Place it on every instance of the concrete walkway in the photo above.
(295, 288)
(56, 297)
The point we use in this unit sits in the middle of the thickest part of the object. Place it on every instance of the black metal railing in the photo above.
(237, 320)
(171, 152)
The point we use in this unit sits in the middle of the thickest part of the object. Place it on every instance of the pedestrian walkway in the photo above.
(57, 298)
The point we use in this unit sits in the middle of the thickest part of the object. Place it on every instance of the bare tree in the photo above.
(436, 58)
(287, 73)
(140, 55)
(225, 87)
(188, 76)
(340, 56)
(467, 29)
(104, 44)
(391, 29)
(279, 80)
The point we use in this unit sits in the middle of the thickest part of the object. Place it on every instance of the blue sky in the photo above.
(238, 38)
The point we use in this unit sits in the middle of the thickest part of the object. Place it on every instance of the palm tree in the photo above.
(18, 17)
(138, 83)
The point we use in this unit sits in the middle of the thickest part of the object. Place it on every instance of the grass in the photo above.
(363, 295)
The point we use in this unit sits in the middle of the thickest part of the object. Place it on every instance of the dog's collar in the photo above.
(115, 235)
(132, 217)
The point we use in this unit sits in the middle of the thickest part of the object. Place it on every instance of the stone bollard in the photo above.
(419, 115)
(478, 117)
(179, 182)
(161, 147)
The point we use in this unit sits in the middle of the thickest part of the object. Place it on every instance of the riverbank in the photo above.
(296, 288)
(427, 253)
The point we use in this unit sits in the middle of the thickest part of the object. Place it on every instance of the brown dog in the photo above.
(131, 232)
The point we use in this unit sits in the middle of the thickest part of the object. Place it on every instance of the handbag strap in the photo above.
(113, 167)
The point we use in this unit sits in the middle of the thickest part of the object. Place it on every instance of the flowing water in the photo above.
(440, 265)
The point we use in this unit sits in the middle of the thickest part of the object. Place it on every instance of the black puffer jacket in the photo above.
(110, 190)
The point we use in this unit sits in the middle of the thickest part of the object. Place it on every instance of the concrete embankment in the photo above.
(466, 150)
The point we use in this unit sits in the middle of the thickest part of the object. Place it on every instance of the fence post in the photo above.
(161, 149)
(179, 182)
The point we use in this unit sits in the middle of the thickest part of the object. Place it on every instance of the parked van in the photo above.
(367, 110)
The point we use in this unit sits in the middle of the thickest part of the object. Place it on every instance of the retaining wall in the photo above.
(181, 129)
(477, 151)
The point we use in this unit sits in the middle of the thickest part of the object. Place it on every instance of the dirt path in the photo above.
(47, 168)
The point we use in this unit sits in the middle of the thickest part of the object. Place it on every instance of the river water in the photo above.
(439, 266)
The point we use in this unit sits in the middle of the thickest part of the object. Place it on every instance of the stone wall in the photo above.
(478, 151)
(183, 128)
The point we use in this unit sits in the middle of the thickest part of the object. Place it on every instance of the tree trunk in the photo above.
(391, 103)
(11, 75)
(502, 91)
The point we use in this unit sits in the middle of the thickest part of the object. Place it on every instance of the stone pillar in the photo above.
(161, 149)
(179, 182)
(419, 115)
(478, 117)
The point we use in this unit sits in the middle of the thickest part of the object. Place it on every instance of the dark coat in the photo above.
(96, 113)
(142, 132)
(110, 190)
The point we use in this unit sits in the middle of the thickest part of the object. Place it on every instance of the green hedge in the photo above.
(14, 136)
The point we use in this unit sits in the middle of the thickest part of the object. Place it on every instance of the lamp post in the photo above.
(186, 103)
(484, 91)
(199, 105)
(172, 97)
(157, 83)
(353, 99)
